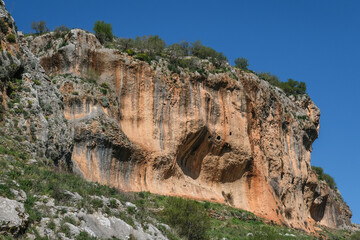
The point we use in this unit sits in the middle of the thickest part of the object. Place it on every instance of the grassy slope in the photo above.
(41, 178)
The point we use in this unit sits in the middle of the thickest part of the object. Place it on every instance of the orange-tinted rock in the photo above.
(211, 137)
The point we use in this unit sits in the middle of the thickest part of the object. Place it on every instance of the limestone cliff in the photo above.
(225, 137)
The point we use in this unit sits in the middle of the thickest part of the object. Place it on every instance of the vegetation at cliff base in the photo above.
(323, 176)
(188, 219)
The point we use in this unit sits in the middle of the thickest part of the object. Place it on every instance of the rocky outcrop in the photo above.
(98, 224)
(13, 218)
(30, 105)
(225, 137)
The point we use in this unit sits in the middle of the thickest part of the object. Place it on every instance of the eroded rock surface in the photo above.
(13, 218)
(226, 137)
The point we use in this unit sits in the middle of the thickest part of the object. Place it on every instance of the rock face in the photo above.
(225, 137)
(13, 218)
(30, 105)
(97, 224)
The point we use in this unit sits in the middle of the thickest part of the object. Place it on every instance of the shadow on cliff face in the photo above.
(193, 150)
(317, 209)
(96, 156)
(200, 145)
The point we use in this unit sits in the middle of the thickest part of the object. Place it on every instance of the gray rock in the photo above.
(19, 195)
(73, 196)
(12, 216)
(98, 225)
(129, 204)
(249, 235)
(43, 229)
(74, 231)
(289, 235)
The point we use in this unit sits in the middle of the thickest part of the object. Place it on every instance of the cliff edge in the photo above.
(226, 137)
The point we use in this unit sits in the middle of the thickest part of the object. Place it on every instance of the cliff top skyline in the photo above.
(314, 42)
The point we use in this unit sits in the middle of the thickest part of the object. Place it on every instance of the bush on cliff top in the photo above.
(291, 87)
(103, 31)
(323, 176)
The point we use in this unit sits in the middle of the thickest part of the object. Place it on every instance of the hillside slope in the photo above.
(223, 135)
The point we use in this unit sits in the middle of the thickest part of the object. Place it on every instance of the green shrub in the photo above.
(130, 52)
(113, 203)
(203, 52)
(61, 30)
(181, 49)
(241, 63)
(11, 38)
(39, 27)
(84, 236)
(37, 82)
(51, 225)
(103, 91)
(155, 45)
(323, 176)
(97, 203)
(34, 214)
(105, 85)
(291, 87)
(355, 236)
(63, 43)
(3, 27)
(188, 217)
(131, 210)
(103, 31)
(143, 57)
(105, 102)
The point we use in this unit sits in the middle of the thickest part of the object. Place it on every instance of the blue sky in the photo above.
(317, 42)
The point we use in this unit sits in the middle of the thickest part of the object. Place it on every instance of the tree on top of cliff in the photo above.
(323, 176)
(203, 52)
(103, 31)
(291, 87)
(241, 63)
(40, 27)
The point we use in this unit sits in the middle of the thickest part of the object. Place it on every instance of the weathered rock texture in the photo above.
(30, 105)
(13, 218)
(227, 137)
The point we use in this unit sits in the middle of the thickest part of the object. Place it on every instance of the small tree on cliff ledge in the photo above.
(39, 27)
(241, 63)
(103, 31)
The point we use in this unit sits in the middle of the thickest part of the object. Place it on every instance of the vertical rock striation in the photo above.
(225, 137)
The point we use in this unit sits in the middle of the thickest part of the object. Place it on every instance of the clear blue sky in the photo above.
(317, 42)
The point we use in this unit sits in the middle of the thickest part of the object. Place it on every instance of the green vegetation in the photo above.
(241, 63)
(188, 217)
(103, 31)
(143, 57)
(61, 28)
(39, 27)
(203, 52)
(11, 38)
(323, 176)
(291, 87)
(105, 102)
(3, 27)
(61, 31)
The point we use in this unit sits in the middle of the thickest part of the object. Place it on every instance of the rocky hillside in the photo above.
(222, 135)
